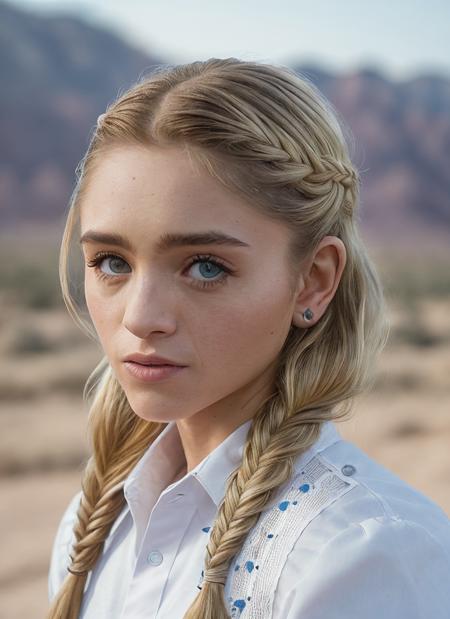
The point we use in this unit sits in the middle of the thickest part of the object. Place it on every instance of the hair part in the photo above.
(269, 135)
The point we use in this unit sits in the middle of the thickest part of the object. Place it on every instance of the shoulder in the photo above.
(381, 547)
(376, 500)
(379, 492)
(345, 537)
(61, 546)
(377, 566)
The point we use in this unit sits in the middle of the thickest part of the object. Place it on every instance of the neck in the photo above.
(181, 473)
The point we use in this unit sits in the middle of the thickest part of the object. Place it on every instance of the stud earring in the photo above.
(308, 314)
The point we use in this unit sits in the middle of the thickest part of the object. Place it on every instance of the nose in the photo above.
(148, 309)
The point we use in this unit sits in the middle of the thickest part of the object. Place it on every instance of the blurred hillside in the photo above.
(58, 73)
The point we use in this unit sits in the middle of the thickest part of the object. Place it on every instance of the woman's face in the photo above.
(225, 315)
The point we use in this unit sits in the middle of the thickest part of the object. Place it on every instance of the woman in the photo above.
(216, 210)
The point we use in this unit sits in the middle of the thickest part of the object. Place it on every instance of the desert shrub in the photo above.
(29, 275)
(36, 287)
(415, 334)
(69, 383)
(396, 382)
(408, 279)
(30, 341)
(13, 391)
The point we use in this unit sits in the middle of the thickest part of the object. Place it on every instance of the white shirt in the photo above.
(344, 538)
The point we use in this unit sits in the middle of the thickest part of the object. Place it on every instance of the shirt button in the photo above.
(348, 469)
(155, 557)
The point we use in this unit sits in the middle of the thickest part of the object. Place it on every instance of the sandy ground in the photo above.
(404, 423)
(31, 508)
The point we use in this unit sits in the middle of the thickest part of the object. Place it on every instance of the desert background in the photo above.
(59, 73)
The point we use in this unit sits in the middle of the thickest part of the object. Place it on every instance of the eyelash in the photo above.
(99, 257)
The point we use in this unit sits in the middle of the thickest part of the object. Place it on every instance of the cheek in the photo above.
(101, 311)
(247, 334)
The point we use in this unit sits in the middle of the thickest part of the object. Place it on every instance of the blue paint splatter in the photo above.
(239, 604)
(304, 488)
(237, 608)
(249, 565)
(270, 535)
(283, 505)
(206, 529)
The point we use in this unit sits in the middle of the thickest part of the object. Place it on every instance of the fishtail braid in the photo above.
(119, 438)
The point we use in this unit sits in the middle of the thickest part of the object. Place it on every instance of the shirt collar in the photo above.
(165, 457)
(159, 464)
(153, 473)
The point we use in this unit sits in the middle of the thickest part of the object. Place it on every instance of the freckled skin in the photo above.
(229, 334)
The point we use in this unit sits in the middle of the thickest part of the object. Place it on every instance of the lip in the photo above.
(151, 360)
(150, 374)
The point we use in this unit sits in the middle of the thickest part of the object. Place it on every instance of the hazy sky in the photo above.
(400, 37)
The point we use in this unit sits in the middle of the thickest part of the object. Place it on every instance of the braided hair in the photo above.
(270, 135)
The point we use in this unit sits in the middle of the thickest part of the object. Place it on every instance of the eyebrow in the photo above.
(167, 240)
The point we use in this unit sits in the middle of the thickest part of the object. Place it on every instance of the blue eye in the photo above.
(212, 269)
(206, 270)
(204, 266)
(114, 261)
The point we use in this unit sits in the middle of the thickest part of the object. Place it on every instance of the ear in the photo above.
(319, 280)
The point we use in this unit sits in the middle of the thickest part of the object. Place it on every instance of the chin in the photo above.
(151, 408)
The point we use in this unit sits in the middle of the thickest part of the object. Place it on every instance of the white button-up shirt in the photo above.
(343, 538)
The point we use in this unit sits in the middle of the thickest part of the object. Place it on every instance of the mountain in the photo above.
(401, 145)
(59, 73)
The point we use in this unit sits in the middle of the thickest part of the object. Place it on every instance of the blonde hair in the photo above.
(271, 136)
